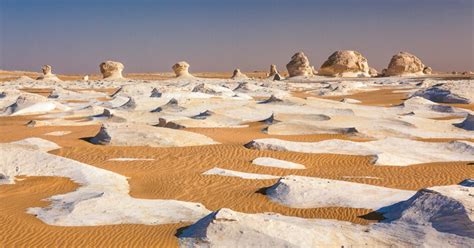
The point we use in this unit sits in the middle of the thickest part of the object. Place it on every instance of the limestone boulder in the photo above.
(345, 63)
(111, 70)
(299, 65)
(181, 69)
(405, 64)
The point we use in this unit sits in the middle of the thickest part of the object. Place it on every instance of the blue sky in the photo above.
(148, 36)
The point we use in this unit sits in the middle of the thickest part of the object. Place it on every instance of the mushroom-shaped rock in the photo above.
(345, 63)
(85, 78)
(299, 65)
(111, 70)
(237, 74)
(405, 64)
(181, 69)
(47, 74)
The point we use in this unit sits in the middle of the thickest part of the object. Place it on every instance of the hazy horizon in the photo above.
(150, 36)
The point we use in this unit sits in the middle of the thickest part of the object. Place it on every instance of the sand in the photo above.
(177, 173)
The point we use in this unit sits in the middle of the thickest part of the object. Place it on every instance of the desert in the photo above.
(266, 124)
(198, 160)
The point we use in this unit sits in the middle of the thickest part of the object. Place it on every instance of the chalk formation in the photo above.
(47, 74)
(111, 70)
(238, 74)
(406, 64)
(299, 66)
(345, 63)
(274, 74)
(181, 69)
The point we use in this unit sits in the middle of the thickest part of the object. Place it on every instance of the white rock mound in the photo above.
(312, 192)
(37, 144)
(405, 64)
(436, 217)
(26, 104)
(299, 65)
(102, 198)
(237, 74)
(447, 209)
(181, 69)
(274, 74)
(449, 92)
(345, 63)
(388, 151)
(121, 134)
(48, 74)
(111, 70)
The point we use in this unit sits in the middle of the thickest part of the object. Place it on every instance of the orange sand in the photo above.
(176, 173)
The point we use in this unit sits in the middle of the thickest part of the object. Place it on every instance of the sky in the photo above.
(74, 36)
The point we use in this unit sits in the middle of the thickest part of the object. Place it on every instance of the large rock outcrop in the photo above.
(434, 217)
(111, 70)
(299, 65)
(48, 74)
(345, 63)
(405, 64)
(181, 69)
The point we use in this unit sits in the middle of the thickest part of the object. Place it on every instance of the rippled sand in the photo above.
(176, 173)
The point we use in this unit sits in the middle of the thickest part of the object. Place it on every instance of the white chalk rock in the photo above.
(181, 69)
(312, 192)
(37, 144)
(101, 199)
(48, 74)
(388, 151)
(111, 70)
(345, 63)
(120, 134)
(299, 65)
(405, 64)
(277, 163)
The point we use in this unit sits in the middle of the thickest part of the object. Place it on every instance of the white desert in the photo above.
(340, 157)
